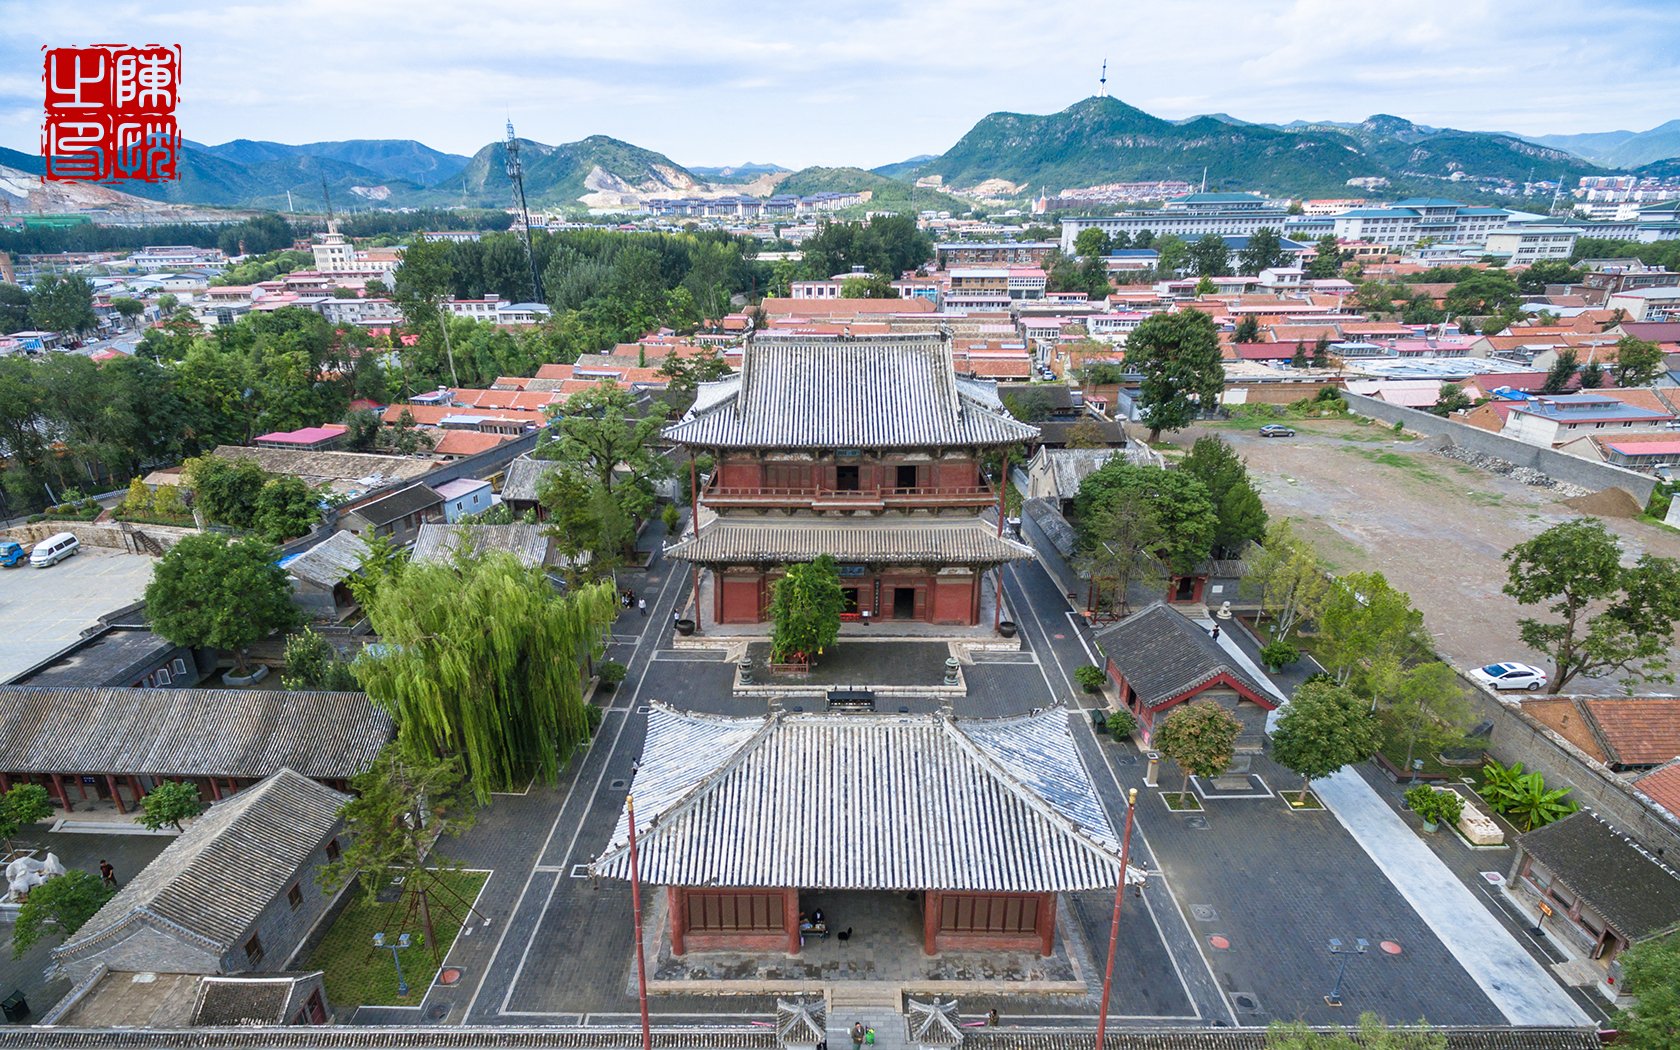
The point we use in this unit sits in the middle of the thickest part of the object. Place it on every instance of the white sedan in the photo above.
(1510, 676)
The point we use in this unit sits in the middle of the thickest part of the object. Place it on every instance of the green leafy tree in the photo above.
(168, 804)
(1264, 251)
(62, 304)
(208, 591)
(1366, 627)
(1092, 241)
(422, 284)
(1426, 706)
(61, 905)
(868, 286)
(1201, 737)
(1171, 254)
(399, 808)
(481, 659)
(226, 491)
(1209, 257)
(1592, 376)
(1327, 264)
(1288, 580)
(286, 509)
(1451, 398)
(1325, 727)
(805, 607)
(1638, 361)
(1487, 292)
(312, 664)
(1373, 1034)
(1574, 568)
(1562, 372)
(1178, 356)
(128, 309)
(23, 805)
(1524, 797)
(1120, 540)
(1247, 330)
(1533, 281)
(1242, 517)
(601, 435)
(1321, 352)
(1204, 286)
(1179, 501)
(1651, 972)
(14, 308)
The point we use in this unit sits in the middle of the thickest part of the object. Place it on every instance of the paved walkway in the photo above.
(1522, 989)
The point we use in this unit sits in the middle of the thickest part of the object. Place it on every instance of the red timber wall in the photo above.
(744, 596)
(710, 920)
(955, 475)
(1009, 922)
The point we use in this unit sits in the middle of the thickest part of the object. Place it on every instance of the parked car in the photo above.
(1511, 675)
(11, 554)
(54, 549)
(1277, 430)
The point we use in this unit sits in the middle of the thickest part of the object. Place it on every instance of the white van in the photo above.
(53, 550)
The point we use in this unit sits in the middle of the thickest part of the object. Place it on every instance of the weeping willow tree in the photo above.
(481, 659)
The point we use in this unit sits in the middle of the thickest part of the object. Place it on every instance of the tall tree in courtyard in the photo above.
(481, 659)
(601, 434)
(1242, 517)
(1210, 257)
(1178, 356)
(1247, 330)
(211, 592)
(1091, 241)
(61, 905)
(1264, 251)
(1120, 540)
(1366, 627)
(399, 808)
(1562, 372)
(1288, 580)
(1201, 737)
(1178, 500)
(805, 607)
(422, 284)
(1325, 727)
(1575, 568)
(168, 804)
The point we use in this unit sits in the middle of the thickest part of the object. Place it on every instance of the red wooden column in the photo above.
(1047, 924)
(5, 783)
(215, 791)
(677, 904)
(790, 919)
(932, 903)
(58, 786)
(116, 796)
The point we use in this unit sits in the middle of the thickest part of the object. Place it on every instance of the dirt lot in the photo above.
(1436, 528)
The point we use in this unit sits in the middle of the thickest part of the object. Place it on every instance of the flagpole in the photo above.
(636, 909)
(1114, 925)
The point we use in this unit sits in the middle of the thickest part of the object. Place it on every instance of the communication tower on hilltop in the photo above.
(1102, 81)
(516, 173)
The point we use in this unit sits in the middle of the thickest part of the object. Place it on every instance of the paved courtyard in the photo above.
(1231, 928)
(44, 610)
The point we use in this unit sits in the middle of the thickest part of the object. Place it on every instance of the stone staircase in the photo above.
(878, 1004)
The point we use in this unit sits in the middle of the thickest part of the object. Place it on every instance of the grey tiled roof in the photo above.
(248, 1000)
(1070, 466)
(399, 504)
(934, 1023)
(438, 543)
(964, 541)
(246, 733)
(1637, 895)
(520, 482)
(1163, 655)
(879, 802)
(885, 392)
(212, 882)
(331, 561)
(801, 1021)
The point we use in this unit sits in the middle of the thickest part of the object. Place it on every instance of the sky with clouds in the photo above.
(862, 82)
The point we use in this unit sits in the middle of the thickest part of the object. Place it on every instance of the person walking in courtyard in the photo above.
(107, 874)
(641, 606)
(857, 1034)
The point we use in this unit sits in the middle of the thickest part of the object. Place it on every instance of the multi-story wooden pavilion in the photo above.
(986, 820)
(865, 449)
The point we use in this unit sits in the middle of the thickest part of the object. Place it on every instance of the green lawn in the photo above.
(357, 973)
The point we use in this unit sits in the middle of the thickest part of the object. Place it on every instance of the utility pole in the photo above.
(516, 172)
(1114, 924)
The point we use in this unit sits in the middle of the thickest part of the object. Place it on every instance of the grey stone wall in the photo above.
(1560, 465)
(282, 928)
(1516, 738)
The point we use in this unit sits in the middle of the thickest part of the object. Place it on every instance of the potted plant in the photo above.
(1449, 806)
(1121, 724)
(1090, 677)
(611, 672)
(1421, 799)
(1278, 654)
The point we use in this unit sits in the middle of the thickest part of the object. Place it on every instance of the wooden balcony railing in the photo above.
(879, 497)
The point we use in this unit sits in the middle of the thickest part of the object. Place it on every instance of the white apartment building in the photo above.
(1405, 223)
(1528, 244)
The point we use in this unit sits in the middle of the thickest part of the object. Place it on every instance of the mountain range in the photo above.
(1005, 155)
